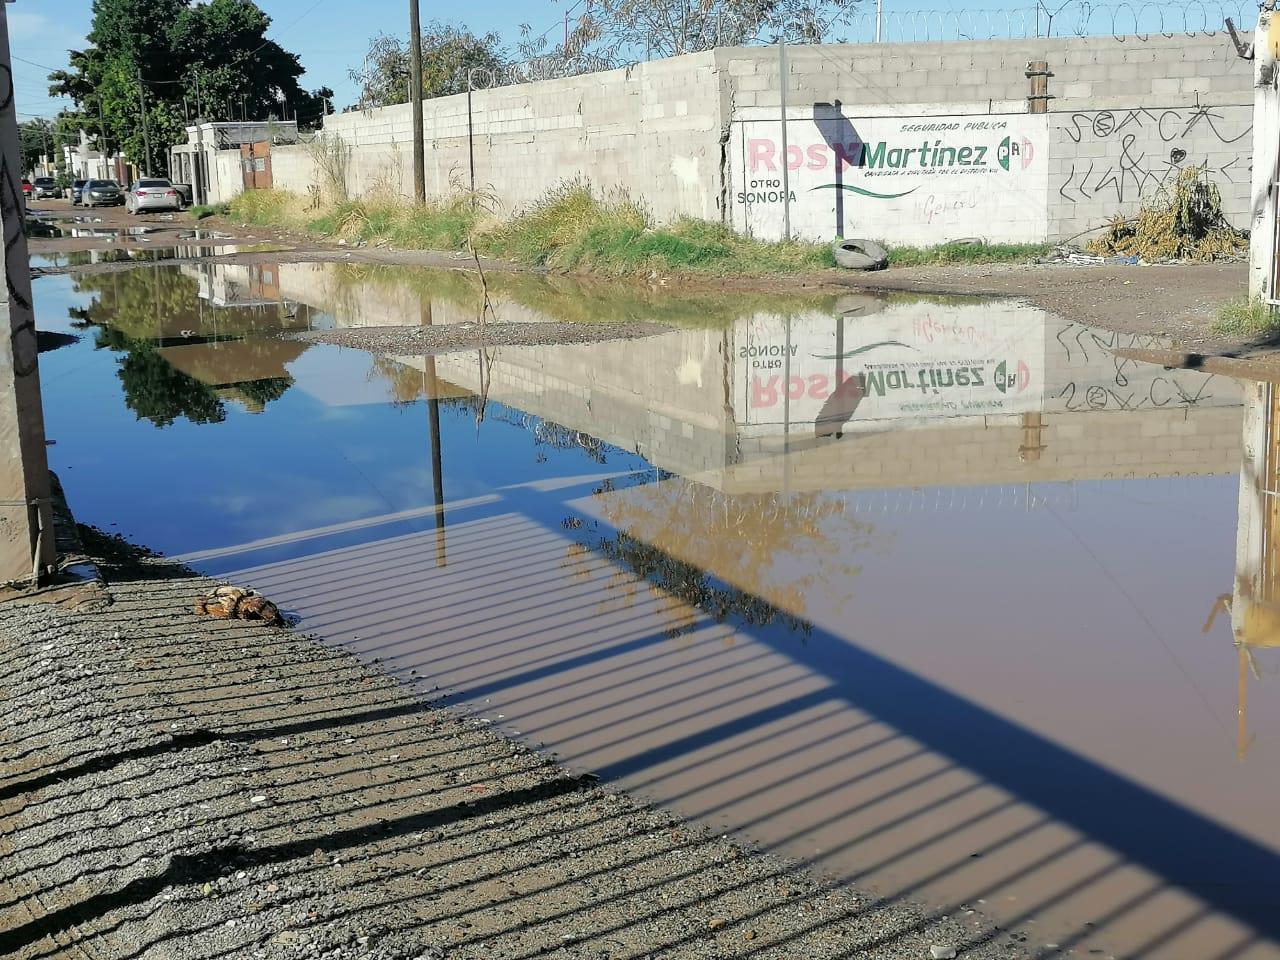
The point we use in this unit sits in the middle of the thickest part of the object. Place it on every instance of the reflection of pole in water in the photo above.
(433, 424)
(1255, 602)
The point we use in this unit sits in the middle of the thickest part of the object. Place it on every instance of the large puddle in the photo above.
(946, 597)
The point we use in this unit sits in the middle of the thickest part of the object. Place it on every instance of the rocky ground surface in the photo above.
(420, 341)
(175, 787)
(1178, 301)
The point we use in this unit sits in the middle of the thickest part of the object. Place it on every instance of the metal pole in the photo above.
(471, 143)
(786, 160)
(879, 16)
(26, 518)
(415, 98)
(146, 127)
(198, 191)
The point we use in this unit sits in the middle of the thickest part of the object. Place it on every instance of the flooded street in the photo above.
(942, 596)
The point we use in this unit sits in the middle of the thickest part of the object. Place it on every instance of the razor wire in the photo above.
(1123, 21)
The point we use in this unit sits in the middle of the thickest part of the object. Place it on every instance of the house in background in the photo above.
(219, 160)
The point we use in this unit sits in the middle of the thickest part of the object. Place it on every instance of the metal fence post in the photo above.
(786, 160)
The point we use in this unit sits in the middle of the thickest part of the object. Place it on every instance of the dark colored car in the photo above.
(77, 188)
(46, 188)
(102, 193)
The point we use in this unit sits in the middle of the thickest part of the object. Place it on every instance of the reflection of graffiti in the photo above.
(1168, 388)
(1144, 162)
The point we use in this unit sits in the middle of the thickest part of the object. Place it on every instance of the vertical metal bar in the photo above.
(879, 15)
(415, 98)
(786, 160)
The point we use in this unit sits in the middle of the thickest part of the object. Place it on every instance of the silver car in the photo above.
(46, 188)
(152, 194)
(101, 193)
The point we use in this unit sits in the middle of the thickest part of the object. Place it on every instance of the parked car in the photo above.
(102, 193)
(46, 188)
(26, 189)
(152, 194)
(77, 188)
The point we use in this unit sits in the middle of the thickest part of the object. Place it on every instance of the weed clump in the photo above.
(1184, 222)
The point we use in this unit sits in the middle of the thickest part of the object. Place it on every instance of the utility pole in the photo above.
(198, 193)
(786, 158)
(415, 98)
(27, 548)
(146, 127)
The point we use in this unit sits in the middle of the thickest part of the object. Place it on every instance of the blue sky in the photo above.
(331, 36)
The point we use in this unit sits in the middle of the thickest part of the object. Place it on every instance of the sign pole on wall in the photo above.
(786, 173)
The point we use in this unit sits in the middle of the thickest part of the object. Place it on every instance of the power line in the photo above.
(289, 26)
(42, 66)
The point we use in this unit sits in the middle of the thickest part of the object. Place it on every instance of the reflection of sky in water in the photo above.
(331, 448)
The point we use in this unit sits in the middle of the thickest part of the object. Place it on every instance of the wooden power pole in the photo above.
(415, 98)
(26, 517)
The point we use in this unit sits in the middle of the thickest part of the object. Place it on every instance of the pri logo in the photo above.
(1011, 148)
(1015, 381)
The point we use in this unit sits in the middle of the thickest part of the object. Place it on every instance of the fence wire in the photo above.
(1123, 21)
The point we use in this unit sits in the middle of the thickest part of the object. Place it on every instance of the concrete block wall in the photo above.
(652, 129)
(1125, 115)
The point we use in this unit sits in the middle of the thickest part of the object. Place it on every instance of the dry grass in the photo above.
(1184, 222)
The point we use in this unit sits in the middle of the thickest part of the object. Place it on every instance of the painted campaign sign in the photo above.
(899, 180)
(909, 365)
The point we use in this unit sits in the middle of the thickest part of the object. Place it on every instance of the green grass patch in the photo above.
(1244, 317)
(202, 211)
(569, 229)
(947, 253)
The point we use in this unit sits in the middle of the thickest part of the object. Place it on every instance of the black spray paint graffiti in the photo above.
(22, 335)
(1141, 167)
(1165, 390)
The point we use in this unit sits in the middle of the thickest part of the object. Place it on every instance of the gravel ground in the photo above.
(420, 341)
(1178, 301)
(176, 787)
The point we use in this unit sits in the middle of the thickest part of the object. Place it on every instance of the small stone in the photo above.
(717, 923)
(272, 887)
(942, 952)
(750, 935)
(258, 799)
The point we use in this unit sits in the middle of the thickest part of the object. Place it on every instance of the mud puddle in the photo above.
(944, 598)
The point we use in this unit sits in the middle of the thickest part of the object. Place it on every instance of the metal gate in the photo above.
(255, 161)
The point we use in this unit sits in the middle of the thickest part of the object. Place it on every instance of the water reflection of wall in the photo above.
(853, 392)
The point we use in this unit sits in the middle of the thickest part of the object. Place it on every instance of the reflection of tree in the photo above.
(154, 390)
(720, 552)
(405, 384)
(157, 391)
(262, 392)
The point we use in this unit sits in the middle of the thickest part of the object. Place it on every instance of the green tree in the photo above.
(179, 61)
(614, 32)
(449, 53)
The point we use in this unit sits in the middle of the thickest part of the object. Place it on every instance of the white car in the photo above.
(152, 194)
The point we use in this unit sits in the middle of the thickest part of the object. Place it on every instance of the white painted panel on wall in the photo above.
(900, 180)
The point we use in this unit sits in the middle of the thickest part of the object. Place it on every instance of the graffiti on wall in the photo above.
(1146, 149)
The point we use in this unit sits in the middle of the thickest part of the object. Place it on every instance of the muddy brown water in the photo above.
(942, 597)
